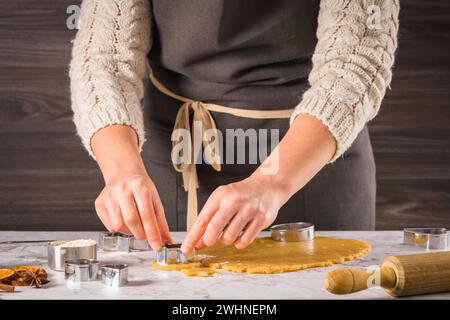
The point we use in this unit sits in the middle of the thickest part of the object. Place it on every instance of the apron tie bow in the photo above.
(185, 154)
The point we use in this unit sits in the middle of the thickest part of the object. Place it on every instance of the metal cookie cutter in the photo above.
(429, 238)
(116, 241)
(81, 270)
(115, 275)
(108, 241)
(58, 254)
(171, 253)
(293, 232)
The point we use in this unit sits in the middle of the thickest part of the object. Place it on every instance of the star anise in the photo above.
(30, 276)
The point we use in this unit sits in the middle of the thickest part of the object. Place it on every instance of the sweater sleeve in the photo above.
(108, 66)
(351, 65)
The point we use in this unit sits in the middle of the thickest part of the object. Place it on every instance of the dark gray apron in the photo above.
(256, 55)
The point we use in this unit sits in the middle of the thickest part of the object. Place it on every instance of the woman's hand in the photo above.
(129, 203)
(236, 213)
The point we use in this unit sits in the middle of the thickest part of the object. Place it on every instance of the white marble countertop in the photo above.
(146, 283)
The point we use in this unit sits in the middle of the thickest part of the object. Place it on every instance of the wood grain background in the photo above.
(47, 181)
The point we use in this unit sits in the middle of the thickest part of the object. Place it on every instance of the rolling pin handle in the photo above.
(344, 281)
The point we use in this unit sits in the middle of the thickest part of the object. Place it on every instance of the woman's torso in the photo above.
(251, 54)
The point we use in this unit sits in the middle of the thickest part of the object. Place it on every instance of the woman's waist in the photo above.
(269, 93)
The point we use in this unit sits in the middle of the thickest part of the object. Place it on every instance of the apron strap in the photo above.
(185, 163)
(201, 113)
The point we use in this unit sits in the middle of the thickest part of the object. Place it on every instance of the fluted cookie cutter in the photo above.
(292, 232)
(429, 238)
(81, 270)
(170, 254)
(115, 275)
(116, 241)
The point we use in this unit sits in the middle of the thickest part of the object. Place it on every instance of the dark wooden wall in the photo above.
(47, 181)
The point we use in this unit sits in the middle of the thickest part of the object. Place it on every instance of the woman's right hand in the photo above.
(129, 203)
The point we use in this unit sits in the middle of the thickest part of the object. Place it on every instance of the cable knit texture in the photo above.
(108, 66)
(351, 66)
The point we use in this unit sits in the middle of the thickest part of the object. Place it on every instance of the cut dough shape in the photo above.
(199, 272)
(266, 256)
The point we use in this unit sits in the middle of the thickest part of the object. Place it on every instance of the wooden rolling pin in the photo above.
(404, 275)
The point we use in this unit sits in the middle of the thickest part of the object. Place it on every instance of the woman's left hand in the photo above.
(236, 213)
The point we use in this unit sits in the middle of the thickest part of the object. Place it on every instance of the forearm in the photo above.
(106, 77)
(116, 149)
(352, 66)
(343, 97)
(304, 150)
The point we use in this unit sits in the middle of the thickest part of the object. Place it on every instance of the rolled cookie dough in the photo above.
(265, 256)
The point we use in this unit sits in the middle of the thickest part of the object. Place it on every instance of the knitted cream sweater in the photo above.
(351, 66)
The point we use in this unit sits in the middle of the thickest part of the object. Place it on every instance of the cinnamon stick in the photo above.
(7, 287)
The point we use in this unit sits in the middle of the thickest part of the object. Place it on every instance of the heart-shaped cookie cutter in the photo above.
(115, 275)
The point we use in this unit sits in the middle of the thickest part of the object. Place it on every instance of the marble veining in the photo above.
(146, 283)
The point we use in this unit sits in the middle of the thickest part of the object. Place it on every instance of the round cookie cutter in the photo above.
(81, 270)
(429, 238)
(292, 232)
(58, 254)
